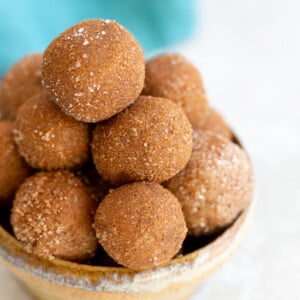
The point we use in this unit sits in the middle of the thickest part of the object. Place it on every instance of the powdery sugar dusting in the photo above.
(115, 66)
(172, 76)
(138, 143)
(47, 138)
(215, 186)
(52, 216)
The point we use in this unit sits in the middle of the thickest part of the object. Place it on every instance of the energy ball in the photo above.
(13, 169)
(215, 122)
(52, 216)
(47, 138)
(151, 140)
(140, 225)
(94, 70)
(215, 186)
(172, 76)
(20, 83)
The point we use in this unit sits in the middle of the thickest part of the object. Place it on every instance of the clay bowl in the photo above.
(62, 280)
(178, 279)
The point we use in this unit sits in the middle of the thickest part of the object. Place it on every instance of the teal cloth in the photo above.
(28, 26)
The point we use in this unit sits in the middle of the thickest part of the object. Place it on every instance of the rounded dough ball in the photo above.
(13, 169)
(94, 70)
(151, 140)
(215, 186)
(174, 77)
(19, 84)
(215, 122)
(47, 138)
(140, 225)
(52, 216)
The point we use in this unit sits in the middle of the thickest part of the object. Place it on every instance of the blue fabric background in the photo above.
(28, 26)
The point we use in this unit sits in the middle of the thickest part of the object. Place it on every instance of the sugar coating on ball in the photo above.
(94, 70)
(47, 138)
(140, 225)
(13, 169)
(52, 216)
(151, 140)
(20, 83)
(215, 186)
(216, 123)
(174, 77)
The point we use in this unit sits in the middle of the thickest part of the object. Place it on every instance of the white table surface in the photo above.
(249, 54)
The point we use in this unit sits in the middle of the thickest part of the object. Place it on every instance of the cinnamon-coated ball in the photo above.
(94, 70)
(216, 123)
(47, 138)
(174, 77)
(140, 225)
(52, 216)
(215, 186)
(151, 140)
(13, 169)
(19, 84)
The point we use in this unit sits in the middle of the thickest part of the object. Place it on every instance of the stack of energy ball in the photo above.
(98, 147)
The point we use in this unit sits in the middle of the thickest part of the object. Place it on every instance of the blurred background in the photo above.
(29, 26)
(248, 52)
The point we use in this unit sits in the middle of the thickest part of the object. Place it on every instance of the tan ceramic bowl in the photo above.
(177, 280)
(62, 280)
